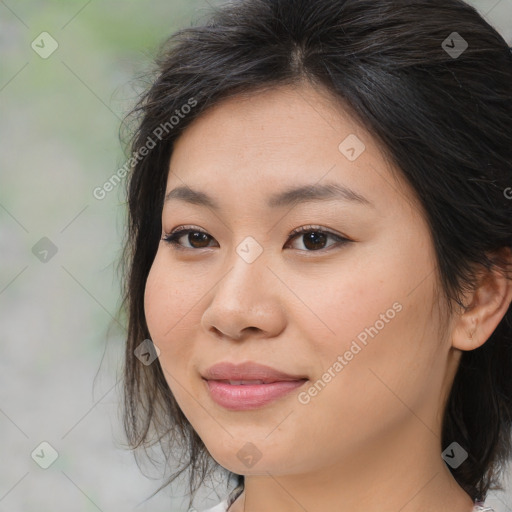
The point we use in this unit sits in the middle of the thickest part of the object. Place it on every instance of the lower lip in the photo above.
(251, 396)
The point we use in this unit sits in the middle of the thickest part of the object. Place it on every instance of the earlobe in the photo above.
(488, 304)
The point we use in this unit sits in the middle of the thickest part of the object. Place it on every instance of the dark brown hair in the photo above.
(444, 120)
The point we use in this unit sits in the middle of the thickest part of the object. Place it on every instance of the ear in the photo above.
(486, 305)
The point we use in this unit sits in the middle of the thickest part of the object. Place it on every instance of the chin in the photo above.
(249, 459)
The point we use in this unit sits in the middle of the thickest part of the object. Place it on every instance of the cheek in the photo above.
(361, 388)
(167, 305)
(156, 301)
(377, 317)
(168, 311)
(167, 298)
(345, 300)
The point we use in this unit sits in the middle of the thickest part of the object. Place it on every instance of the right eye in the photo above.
(196, 238)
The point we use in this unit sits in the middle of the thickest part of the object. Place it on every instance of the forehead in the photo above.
(254, 145)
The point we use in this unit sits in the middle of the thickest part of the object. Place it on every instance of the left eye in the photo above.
(313, 239)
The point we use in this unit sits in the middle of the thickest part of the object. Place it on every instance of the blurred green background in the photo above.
(61, 349)
(60, 346)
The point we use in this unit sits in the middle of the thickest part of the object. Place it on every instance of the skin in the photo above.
(370, 440)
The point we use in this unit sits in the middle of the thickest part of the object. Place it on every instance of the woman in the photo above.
(319, 254)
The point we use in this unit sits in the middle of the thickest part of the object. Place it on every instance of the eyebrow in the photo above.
(292, 196)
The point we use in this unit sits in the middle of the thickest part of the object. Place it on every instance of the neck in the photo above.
(401, 471)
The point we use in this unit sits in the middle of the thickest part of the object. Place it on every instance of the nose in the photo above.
(246, 302)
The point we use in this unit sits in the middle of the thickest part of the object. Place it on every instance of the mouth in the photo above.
(251, 382)
(249, 385)
(248, 373)
(247, 395)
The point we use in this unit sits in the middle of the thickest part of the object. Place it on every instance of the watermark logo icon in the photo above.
(44, 250)
(44, 455)
(454, 45)
(352, 147)
(44, 45)
(249, 249)
(249, 454)
(147, 352)
(454, 455)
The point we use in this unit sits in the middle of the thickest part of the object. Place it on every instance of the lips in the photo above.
(248, 385)
(248, 373)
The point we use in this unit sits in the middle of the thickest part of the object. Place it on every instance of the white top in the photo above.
(226, 503)
(223, 507)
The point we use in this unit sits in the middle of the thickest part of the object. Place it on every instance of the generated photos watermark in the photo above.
(158, 133)
(355, 348)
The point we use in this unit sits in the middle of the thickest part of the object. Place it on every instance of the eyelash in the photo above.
(173, 237)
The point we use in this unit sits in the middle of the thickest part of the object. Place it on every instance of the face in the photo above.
(346, 303)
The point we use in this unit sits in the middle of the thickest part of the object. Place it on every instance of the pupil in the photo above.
(316, 239)
(198, 238)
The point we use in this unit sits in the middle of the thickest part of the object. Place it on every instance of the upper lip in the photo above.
(247, 371)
